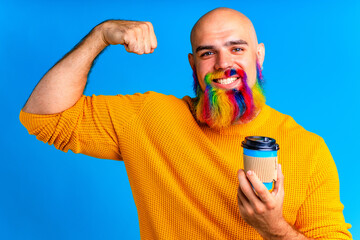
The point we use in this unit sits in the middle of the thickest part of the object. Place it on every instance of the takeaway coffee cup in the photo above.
(260, 156)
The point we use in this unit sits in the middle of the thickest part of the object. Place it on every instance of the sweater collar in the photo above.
(248, 128)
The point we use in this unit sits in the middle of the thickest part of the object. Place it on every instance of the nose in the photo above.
(223, 61)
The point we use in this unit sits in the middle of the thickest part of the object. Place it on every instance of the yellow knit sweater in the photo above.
(184, 175)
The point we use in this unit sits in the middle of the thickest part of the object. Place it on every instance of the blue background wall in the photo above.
(311, 61)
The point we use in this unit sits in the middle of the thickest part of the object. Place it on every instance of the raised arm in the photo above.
(62, 86)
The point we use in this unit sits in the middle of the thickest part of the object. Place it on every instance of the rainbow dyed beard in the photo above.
(220, 108)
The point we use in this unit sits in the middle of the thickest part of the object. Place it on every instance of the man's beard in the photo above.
(220, 108)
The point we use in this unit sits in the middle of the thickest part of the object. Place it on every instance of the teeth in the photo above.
(226, 80)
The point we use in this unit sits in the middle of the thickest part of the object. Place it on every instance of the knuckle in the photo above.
(250, 212)
(144, 25)
(149, 26)
(259, 210)
(261, 191)
(270, 205)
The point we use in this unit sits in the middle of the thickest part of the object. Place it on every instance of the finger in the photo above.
(243, 201)
(248, 208)
(242, 208)
(262, 192)
(147, 44)
(147, 48)
(247, 189)
(128, 47)
(152, 36)
(145, 37)
(132, 47)
(140, 45)
(130, 41)
(279, 184)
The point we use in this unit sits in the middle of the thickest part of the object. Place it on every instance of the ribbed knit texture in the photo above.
(184, 175)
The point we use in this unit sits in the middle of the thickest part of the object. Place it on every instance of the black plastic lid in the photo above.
(260, 143)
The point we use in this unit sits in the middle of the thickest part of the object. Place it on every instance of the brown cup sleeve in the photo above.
(265, 168)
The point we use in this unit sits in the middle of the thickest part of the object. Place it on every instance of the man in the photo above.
(183, 155)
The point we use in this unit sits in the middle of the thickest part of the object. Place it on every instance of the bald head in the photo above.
(220, 19)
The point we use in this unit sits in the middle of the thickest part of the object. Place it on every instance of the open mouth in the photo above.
(233, 82)
(225, 81)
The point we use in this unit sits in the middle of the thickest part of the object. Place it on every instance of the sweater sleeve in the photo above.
(92, 126)
(320, 216)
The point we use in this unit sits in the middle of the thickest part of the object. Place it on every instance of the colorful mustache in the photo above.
(223, 74)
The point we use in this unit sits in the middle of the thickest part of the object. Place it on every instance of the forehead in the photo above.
(220, 35)
(221, 31)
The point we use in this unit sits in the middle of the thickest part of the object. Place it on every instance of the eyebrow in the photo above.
(229, 43)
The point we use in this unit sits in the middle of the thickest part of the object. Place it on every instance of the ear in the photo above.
(191, 61)
(260, 53)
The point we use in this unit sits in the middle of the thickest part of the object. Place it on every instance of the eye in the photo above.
(205, 54)
(237, 49)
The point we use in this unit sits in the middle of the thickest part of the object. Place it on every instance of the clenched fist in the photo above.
(137, 37)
